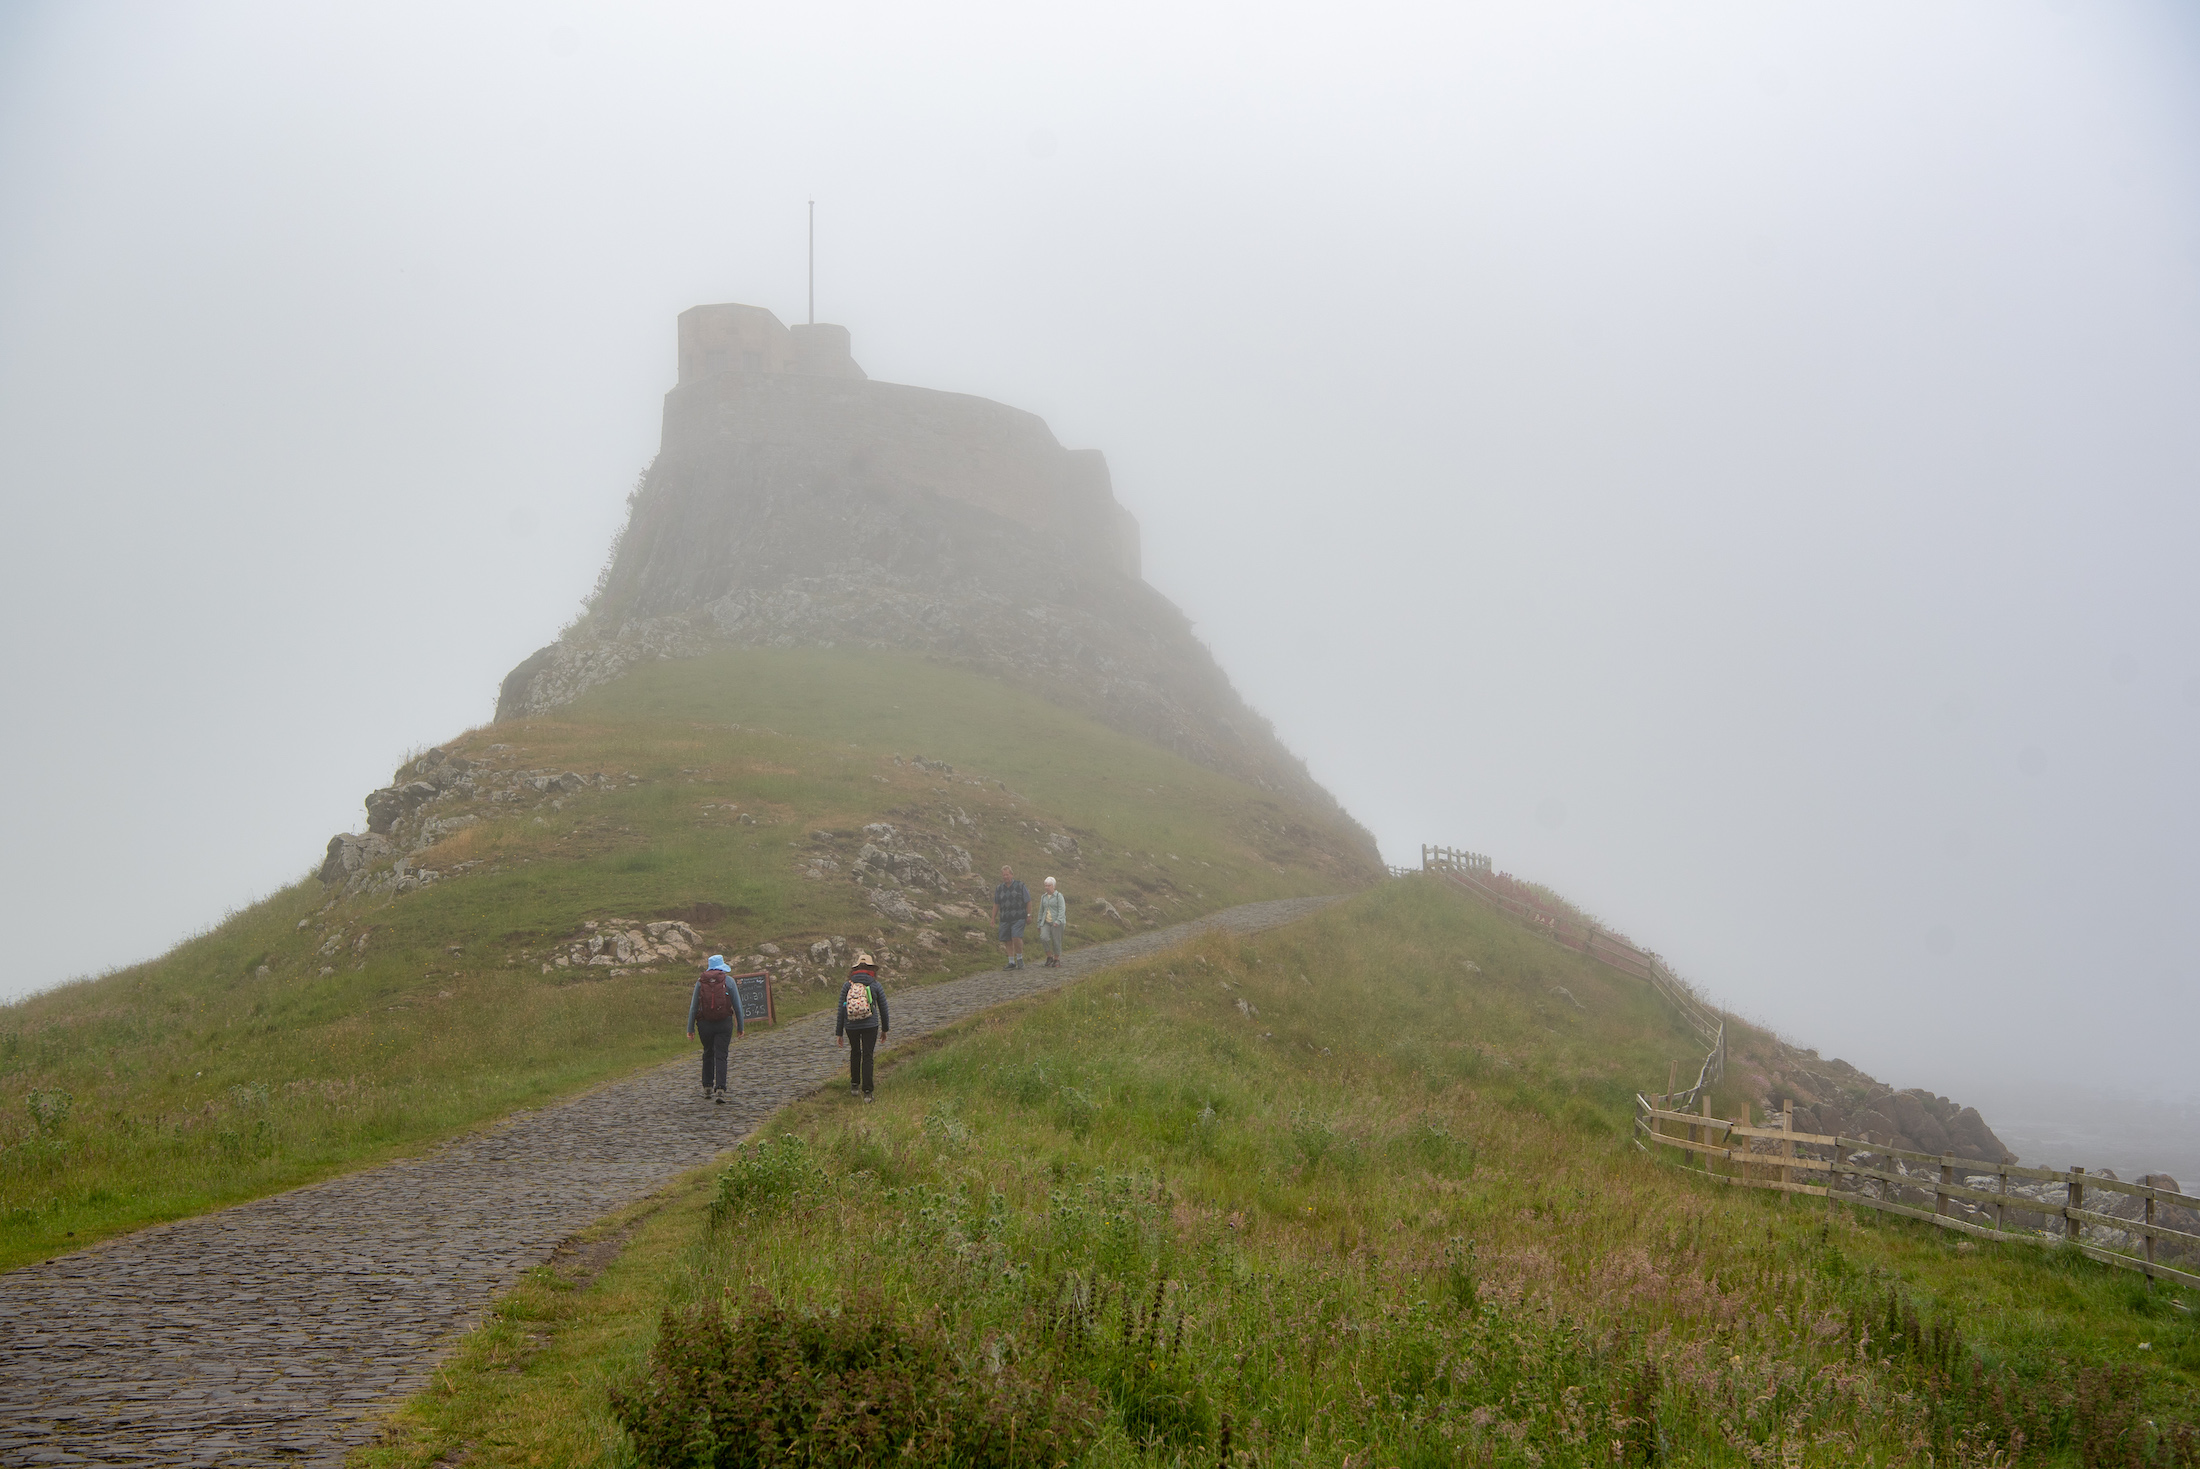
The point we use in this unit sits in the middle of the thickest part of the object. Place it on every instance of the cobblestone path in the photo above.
(278, 1332)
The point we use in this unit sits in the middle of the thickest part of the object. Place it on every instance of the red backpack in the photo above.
(716, 1000)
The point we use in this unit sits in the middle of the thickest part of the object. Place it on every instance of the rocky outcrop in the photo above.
(1833, 1098)
(889, 858)
(790, 510)
(352, 853)
(620, 943)
(1836, 1099)
(421, 809)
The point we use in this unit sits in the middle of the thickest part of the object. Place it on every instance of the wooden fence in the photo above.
(1858, 1171)
(1855, 1170)
(1471, 871)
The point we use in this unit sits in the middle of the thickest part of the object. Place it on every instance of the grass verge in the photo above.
(1357, 1191)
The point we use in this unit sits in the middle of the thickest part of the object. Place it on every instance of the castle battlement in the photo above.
(732, 338)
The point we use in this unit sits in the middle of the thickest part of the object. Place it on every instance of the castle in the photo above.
(749, 384)
(796, 502)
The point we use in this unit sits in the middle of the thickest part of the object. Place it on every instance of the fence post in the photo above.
(1738, 1148)
(1787, 1146)
(1840, 1169)
(2150, 1241)
(1947, 1180)
(1703, 1099)
(2001, 1210)
(2071, 1227)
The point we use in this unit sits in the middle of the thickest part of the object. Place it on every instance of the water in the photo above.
(2096, 1128)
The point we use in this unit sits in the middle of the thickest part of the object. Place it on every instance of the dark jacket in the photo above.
(878, 1021)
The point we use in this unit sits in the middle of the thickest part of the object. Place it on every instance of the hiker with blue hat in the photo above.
(714, 1012)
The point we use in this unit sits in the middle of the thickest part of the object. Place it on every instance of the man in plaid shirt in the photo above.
(1011, 907)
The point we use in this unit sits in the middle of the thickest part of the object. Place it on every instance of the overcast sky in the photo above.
(1735, 463)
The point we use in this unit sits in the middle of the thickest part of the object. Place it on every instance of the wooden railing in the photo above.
(1471, 871)
(1859, 1171)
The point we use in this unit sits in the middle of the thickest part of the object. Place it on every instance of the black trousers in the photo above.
(862, 1044)
(716, 1036)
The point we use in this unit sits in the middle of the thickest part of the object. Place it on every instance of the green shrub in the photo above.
(49, 1109)
(1430, 1143)
(854, 1385)
(764, 1179)
(1147, 1376)
(1076, 1110)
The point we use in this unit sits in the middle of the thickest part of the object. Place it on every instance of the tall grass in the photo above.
(1384, 1214)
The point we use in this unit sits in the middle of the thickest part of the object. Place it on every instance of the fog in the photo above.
(1734, 463)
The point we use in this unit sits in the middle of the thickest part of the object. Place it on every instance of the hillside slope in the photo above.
(1358, 1190)
(528, 922)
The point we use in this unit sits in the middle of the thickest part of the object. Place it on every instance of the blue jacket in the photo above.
(695, 1002)
(878, 1021)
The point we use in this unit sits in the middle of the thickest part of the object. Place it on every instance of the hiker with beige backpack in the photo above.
(859, 1022)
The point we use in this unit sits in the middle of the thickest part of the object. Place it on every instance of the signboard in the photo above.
(756, 997)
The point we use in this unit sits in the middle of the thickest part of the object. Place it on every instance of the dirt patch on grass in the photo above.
(579, 1259)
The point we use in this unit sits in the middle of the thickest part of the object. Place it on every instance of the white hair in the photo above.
(1050, 882)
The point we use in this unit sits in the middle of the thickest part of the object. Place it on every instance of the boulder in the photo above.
(1908, 1112)
(352, 852)
(1940, 1109)
(383, 810)
(1929, 1136)
(891, 904)
(895, 868)
(387, 806)
(1972, 1138)
(1873, 1123)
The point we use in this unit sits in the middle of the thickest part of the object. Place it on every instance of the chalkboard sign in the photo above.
(756, 997)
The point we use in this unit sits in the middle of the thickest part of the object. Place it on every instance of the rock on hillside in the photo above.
(402, 820)
(791, 505)
(1834, 1097)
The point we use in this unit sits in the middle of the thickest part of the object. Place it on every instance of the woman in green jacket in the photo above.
(1053, 918)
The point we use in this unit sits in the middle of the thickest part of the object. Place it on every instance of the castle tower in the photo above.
(748, 340)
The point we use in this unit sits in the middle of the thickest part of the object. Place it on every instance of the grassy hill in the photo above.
(316, 1031)
(1358, 1191)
